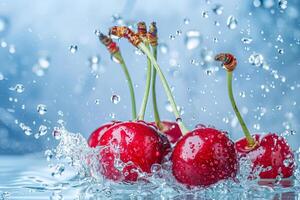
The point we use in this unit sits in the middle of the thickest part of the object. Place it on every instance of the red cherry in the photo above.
(171, 130)
(94, 138)
(135, 144)
(270, 151)
(203, 157)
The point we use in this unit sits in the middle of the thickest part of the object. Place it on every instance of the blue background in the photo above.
(33, 30)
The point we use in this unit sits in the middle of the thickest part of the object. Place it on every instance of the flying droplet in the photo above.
(218, 9)
(4, 23)
(232, 22)
(186, 20)
(19, 88)
(42, 130)
(257, 3)
(42, 109)
(97, 101)
(44, 62)
(279, 39)
(73, 48)
(256, 59)
(115, 99)
(247, 40)
(280, 51)
(26, 129)
(205, 14)
(164, 49)
(283, 4)
(192, 39)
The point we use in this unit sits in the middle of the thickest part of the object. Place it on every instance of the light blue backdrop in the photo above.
(36, 37)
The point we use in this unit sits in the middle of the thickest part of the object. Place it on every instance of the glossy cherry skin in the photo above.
(203, 157)
(94, 138)
(129, 146)
(171, 130)
(271, 151)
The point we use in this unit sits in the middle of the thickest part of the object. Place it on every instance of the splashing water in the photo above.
(74, 171)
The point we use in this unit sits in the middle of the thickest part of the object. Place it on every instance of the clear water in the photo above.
(64, 173)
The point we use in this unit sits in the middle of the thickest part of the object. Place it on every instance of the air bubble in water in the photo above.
(218, 9)
(115, 99)
(256, 59)
(19, 88)
(283, 4)
(73, 48)
(164, 49)
(1, 77)
(42, 109)
(192, 39)
(232, 22)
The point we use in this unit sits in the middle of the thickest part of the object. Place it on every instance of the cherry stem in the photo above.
(154, 102)
(119, 57)
(247, 134)
(147, 90)
(166, 86)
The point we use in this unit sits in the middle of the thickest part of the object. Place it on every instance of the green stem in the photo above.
(155, 108)
(166, 86)
(250, 140)
(147, 90)
(119, 57)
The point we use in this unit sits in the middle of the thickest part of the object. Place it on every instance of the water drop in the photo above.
(1, 77)
(26, 129)
(232, 22)
(114, 59)
(256, 59)
(12, 49)
(218, 9)
(186, 20)
(164, 49)
(97, 101)
(73, 48)
(283, 4)
(280, 51)
(205, 14)
(42, 130)
(42, 109)
(97, 32)
(44, 62)
(19, 88)
(279, 39)
(3, 25)
(115, 99)
(192, 39)
(257, 3)
(172, 37)
(247, 40)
